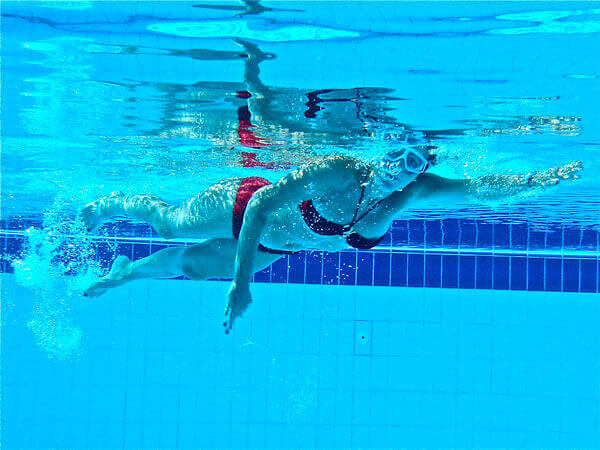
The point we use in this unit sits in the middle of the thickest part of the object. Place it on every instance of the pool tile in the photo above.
(449, 271)
(501, 235)
(553, 274)
(125, 248)
(105, 253)
(554, 237)
(364, 271)
(433, 233)
(484, 272)
(263, 276)
(387, 240)
(314, 267)
(485, 237)
(450, 233)
(518, 236)
(589, 275)
(399, 269)
(157, 246)
(140, 250)
(468, 233)
(501, 273)
(570, 275)
(572, 238)
(348, 268)
(518, 273)
(466, 272)
(433, 270)
(279, 270)
(17, 223)
(296, 267)
(331, 268)
(589, 239)
(416, 232)
(535, 274)
(537, 239)
(14, 245)
(399, 233)
(416, 262)
(382, 263)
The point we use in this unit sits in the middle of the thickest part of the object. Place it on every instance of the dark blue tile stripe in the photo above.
(446, 232)
(432, 263)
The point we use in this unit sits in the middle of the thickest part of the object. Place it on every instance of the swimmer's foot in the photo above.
(120, 270)
(93, 214)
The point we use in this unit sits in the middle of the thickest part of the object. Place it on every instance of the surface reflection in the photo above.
(250, 7)
(250, 114)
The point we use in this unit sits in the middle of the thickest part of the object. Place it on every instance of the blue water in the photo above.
(471, 325)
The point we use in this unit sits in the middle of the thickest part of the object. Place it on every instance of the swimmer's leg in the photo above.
(164, 263)
(143, 207)
(213, 258)
(207, 215)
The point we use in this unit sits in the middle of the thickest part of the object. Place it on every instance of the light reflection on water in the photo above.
(105, 105)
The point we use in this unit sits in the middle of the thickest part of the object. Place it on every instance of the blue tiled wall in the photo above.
(447, 253)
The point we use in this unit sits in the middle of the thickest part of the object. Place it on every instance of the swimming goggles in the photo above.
(414, 162)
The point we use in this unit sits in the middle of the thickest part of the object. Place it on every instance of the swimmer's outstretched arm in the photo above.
(493, 187)
(289, 191)
(433, 188)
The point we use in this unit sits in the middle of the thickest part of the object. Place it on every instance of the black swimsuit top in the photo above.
(320, 225)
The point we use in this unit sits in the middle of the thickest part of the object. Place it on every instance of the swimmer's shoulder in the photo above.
(338, 162)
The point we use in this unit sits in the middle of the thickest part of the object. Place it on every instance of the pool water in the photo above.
(469, 325)
(310, 366)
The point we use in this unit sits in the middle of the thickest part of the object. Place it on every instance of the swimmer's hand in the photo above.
(239, 299)
(502, 187)
(555, 175)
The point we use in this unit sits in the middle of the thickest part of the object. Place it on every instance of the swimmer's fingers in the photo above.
(569, 171)
(552, 177)
(238, 300)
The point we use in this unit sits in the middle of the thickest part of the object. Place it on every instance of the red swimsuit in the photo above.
(317, 223)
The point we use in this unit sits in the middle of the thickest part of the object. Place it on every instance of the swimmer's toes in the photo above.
(96, 289)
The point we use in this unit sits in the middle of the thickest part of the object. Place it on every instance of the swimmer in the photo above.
(329, 204)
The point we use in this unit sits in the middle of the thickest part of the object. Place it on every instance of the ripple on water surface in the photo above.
(256, 30)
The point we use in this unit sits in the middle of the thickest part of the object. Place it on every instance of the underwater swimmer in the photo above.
(330, 204)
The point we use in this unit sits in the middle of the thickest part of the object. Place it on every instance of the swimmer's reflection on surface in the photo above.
(283, 119)
(251, 7)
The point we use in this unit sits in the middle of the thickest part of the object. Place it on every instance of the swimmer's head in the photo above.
(400, 167)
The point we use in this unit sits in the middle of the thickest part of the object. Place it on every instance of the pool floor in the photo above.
(307, 366)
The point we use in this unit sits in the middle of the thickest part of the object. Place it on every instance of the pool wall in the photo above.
(447, 253)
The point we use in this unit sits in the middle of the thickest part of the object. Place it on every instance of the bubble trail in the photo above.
(57, 263)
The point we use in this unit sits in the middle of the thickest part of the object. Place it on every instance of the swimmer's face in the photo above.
(401, 167)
